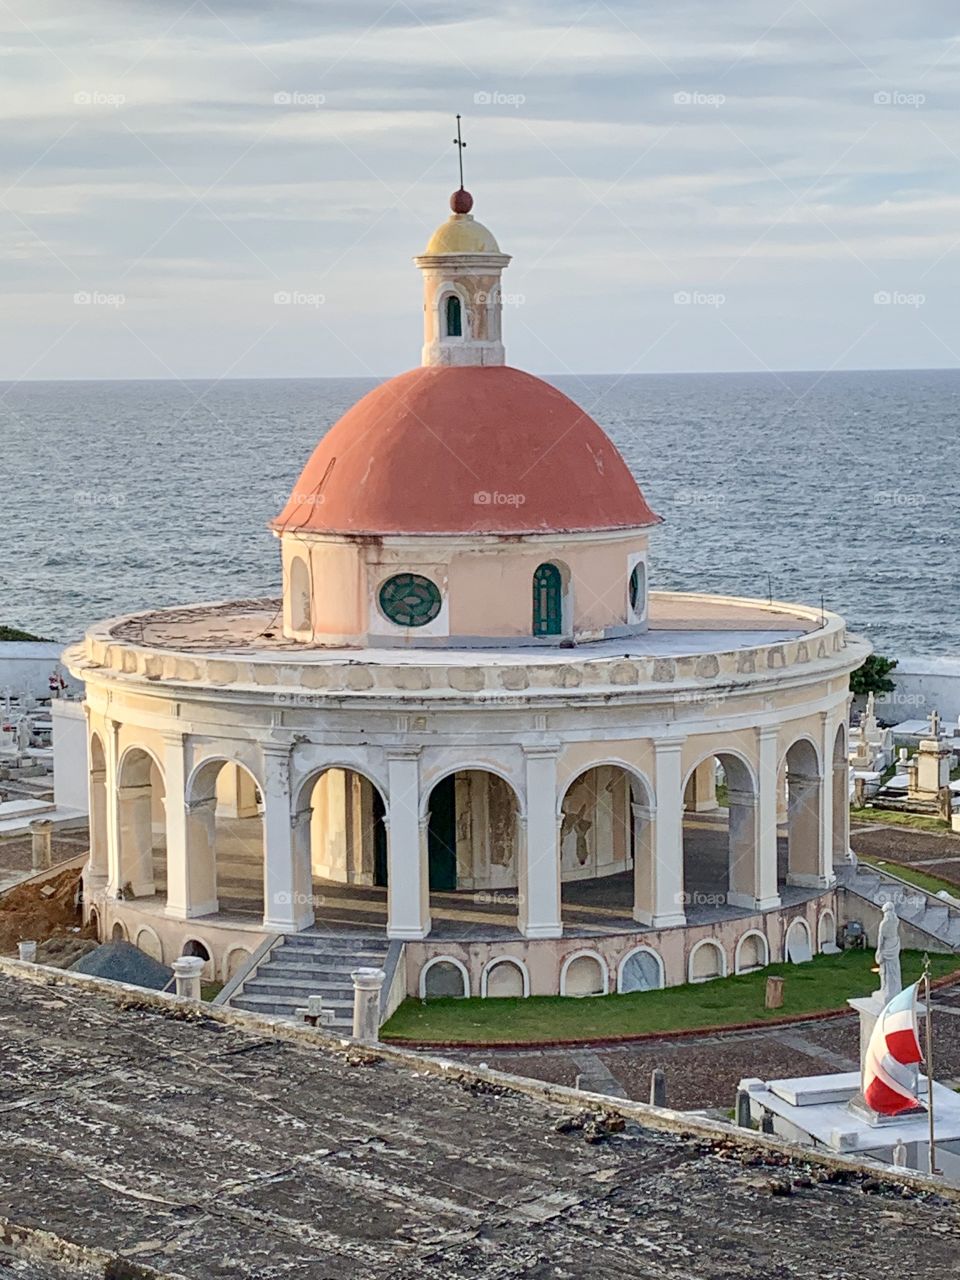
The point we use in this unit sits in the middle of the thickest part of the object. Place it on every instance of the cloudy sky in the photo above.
(683, 185)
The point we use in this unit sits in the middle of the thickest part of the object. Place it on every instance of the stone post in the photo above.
(744, 1119)
(41, 843)
(540, 856)
(27, 951)
(408, 868)
(367, 984)
(187, 971)
(658, 1088)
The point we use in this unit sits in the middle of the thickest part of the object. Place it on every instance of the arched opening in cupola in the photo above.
(452, 317)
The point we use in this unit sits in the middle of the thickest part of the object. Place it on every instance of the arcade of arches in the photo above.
(613, 855)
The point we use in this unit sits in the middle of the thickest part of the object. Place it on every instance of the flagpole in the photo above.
(932, 1149)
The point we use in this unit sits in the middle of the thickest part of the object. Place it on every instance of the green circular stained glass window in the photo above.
(410, 600)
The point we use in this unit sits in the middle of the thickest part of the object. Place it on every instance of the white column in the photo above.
(174, 804)
(111, 758)
(668, 886)
(767, 891)
(283, 909)
(408, 868)
(539, 886)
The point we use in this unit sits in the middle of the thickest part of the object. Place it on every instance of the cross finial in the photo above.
(459, 144)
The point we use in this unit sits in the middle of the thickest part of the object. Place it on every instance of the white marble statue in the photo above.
(888, 954)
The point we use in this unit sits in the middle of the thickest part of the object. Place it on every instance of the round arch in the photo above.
(827, 932)
(473, 817)
(514, 963)
(572, 960)
(431, 781)
(447, 290)
(604, 811)
(720, 858)
(142, 828)
(760, 948)
(197, 788)
(194, 946)
(301, 596)
(148, 941)
(808, 741)
(308, 778)
(341, 830)
(233, 959)
(635, 774)
(797, 943)
(225, 853)
(447, 960)
(630, 971)
(705, 970)
(723, 753)
(136, 748)
(802, 762)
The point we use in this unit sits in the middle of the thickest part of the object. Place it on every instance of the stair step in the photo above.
(313, 941)
(299, 990)
(312, 973)
(346, 961)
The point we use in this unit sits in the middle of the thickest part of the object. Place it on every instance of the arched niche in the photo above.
(752, 953)
(640, 970)
(444, 977)
(505, 976)
(584, 974)
(707, 961)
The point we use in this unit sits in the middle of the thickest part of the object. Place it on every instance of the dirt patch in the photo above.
(16, 852)
(41, 911)
(901, 844)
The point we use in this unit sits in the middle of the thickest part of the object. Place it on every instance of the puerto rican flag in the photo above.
(889, 1068)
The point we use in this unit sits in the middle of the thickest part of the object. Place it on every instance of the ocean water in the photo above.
(124, 495)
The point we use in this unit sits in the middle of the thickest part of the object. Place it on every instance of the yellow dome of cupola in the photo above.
(461, 233)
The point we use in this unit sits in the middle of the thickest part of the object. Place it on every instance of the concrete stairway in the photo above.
(308, 964)
(937, 919)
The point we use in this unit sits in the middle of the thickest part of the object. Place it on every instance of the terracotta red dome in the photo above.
(465, 450)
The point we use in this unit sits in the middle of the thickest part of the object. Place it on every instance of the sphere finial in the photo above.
(461, 201)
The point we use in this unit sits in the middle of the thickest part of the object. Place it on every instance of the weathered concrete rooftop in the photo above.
(203, 1149)
(679, 624)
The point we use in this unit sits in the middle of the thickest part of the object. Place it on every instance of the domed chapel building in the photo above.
(469, 733)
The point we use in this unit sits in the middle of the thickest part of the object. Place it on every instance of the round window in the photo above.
(637, 587)
(410, 600)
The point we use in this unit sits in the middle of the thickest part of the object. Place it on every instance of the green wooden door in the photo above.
(442, 834)
(547, 601)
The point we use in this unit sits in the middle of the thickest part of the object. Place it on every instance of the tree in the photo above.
(873, 676)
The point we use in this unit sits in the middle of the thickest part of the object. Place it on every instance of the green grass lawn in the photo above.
(822, 984)
(932, 884)
(897, 818)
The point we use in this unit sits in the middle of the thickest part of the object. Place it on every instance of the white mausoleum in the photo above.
(468, 724)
